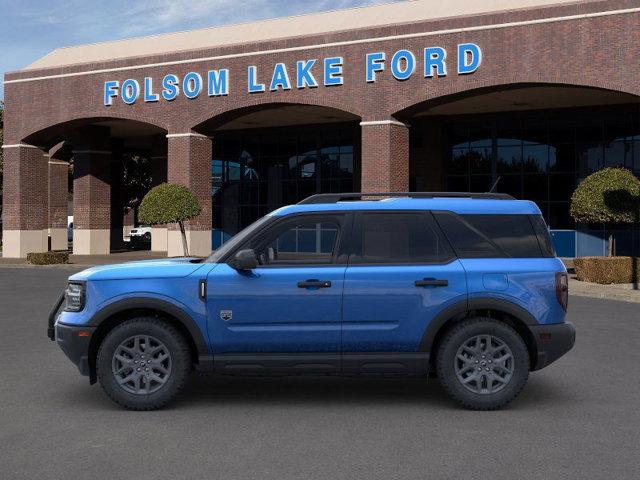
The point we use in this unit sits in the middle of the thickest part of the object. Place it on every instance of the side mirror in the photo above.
(244, 260)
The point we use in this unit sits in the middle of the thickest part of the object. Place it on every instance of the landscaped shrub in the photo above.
(170, 203)
(606, 270)
(48, 258)
(610, 195)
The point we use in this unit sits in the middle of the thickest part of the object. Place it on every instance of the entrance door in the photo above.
(401, 275)
(290, 304)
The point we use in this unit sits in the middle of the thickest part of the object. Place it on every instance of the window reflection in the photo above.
(541, 156)
(257, 171)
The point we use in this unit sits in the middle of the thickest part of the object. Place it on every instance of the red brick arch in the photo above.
(421, 102)
(47, 136)
(222, 116)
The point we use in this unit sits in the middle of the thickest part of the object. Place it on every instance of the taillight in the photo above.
(562, 289)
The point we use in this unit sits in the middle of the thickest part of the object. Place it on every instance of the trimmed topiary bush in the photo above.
(606, 270)
(170, 203)
(611, 195)
(48, 258)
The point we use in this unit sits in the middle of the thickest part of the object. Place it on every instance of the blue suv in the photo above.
(465, 287)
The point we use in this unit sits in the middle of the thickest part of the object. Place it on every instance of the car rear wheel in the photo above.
(483, 363)
(143, 363)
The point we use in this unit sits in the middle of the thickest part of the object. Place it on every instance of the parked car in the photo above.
(140, 237)
(464, 287)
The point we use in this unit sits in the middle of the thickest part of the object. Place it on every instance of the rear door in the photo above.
(401, 274)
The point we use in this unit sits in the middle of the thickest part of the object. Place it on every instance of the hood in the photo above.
(165, 268)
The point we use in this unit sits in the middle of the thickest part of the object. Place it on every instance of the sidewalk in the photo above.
(621, 292)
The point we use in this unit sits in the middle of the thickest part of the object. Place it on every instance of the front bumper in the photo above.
(552, 342)
(74, 342)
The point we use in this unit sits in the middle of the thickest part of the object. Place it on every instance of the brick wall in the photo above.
(599, 51)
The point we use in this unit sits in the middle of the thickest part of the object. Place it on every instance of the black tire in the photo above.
(449, 372)
(179, 356)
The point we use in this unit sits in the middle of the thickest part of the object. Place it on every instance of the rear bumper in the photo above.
(74, 342)
(552, 342)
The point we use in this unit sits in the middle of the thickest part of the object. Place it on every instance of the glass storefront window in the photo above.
(259, 170)
(540, 155)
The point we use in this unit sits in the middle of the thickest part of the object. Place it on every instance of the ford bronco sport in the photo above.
(463, 286)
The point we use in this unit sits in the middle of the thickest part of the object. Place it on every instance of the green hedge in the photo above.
(606, 270)
(48, 258)
(610, 195)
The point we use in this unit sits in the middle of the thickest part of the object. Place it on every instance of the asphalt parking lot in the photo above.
(579, 418)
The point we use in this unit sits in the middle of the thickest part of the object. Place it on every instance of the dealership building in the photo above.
(417, 95)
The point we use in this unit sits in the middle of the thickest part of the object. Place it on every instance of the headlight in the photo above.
(74, 297)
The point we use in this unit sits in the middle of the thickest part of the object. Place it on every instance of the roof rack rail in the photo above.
(339, 197)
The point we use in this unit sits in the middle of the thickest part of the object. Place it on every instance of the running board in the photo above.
(406, 363)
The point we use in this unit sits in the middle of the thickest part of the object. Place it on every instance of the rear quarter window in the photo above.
(493, 236)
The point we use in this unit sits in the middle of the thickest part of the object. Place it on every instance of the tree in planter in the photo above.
(611, 195)
(170, 203)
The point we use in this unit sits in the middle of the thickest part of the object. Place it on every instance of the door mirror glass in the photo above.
(244, 260)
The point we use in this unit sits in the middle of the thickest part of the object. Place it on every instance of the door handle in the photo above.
(313, 283)
(431, 282)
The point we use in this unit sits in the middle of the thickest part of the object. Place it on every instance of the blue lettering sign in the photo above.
(304, 77)
(434, 58)
(170, 87)
(254, 87)
(375, 63)
(469, 58)
(333, 71)
(403, 64)
(130, 91)
(280, 78)
(110, 92)
(192, 85)
(149, 96)
(218, 81)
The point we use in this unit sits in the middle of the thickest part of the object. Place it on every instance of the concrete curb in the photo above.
(623, 293)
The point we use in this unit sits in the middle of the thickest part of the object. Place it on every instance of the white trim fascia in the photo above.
(20, 145)
(58, 162)
(477, 28)
(383, 122)
(189, 134)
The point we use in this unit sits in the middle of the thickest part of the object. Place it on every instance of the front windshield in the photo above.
(236, 240)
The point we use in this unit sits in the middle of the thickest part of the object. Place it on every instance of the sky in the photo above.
(29, 29)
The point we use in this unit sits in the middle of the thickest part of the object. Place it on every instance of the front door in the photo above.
(290, 304)
(401, 274)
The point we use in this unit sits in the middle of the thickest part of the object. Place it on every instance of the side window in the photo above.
(513, 234)
(398, 237)
(467, 241)
(490, 236)
(304, 241)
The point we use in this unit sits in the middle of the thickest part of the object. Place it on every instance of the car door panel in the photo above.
(266, 310)
(402, 273)
(384, 311)
(292, 302)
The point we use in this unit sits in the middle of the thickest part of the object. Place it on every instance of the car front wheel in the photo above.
(143, 363)
(483, 363)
